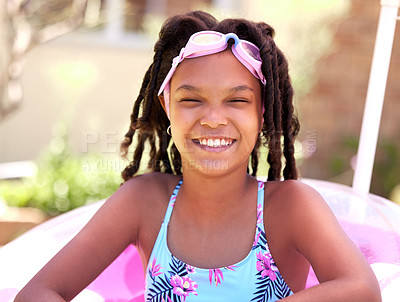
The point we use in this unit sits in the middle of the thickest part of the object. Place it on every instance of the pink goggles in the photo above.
(209, 42)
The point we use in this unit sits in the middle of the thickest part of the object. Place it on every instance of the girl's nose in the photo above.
(213, 118)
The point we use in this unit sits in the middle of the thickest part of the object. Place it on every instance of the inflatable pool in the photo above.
(372, 222)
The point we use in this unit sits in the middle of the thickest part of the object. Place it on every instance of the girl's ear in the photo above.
(162, 102)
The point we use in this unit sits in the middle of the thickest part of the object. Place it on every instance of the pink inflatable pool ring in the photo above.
(372, 222)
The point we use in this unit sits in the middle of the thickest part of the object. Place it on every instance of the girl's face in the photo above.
(215, 112)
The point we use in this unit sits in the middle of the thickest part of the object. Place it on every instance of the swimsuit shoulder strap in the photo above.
(172, 202)
(260, 205)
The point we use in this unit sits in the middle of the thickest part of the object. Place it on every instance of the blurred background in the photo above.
(71, 69)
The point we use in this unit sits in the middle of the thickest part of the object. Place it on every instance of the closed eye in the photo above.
(190, 100)
(238, 101)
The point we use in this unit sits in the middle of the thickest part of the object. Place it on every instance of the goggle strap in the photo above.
(249, 66)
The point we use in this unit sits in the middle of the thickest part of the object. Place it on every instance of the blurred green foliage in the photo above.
(386, 173)
(64, 181)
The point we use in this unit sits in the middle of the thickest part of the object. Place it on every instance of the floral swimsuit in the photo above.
(255, 278)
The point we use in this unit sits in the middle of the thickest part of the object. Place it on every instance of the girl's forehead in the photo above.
(216, 69)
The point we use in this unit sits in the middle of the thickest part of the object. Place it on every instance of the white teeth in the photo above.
(215, 143)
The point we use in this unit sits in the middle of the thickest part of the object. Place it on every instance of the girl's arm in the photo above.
(340, 267)
(106, 235)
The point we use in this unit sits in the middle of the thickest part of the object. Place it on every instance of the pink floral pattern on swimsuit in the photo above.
(218, 275)
(155, 269)
(183, 286)
(265, 265)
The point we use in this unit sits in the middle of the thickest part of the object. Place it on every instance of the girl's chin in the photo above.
(213, 168)
(208, 165)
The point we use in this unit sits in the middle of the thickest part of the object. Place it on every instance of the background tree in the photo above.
(27, 23)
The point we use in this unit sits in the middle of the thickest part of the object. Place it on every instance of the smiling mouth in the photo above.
(214, 143)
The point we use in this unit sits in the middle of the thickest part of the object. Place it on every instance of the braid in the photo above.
(142, 124)
(134, 165)
(269, 127)
(290, 122)
(254, 157)
(272, 115)
(276, 152)
(163, 153)
(153, 163)
(176, 160)
(285, 122)
(132, 127)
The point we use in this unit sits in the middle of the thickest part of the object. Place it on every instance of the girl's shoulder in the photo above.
(151, 190)
(299, 214)
(142, 202)
(152, 183)
(290, 194)
(143, 198)
(291, 204)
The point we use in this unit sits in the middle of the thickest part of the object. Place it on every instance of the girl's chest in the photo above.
(216, 247)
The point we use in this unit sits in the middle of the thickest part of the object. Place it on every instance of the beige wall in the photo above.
(99, 104)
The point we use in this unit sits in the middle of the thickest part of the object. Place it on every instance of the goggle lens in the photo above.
(252, 51)
(205, 39)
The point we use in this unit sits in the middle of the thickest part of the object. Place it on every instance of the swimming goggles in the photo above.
(209, 42)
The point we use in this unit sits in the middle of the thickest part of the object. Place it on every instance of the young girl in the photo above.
(205, 228)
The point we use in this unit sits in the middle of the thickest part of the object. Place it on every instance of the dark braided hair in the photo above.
(150, 123)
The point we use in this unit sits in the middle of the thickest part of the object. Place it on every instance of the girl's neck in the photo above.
(212, 198)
